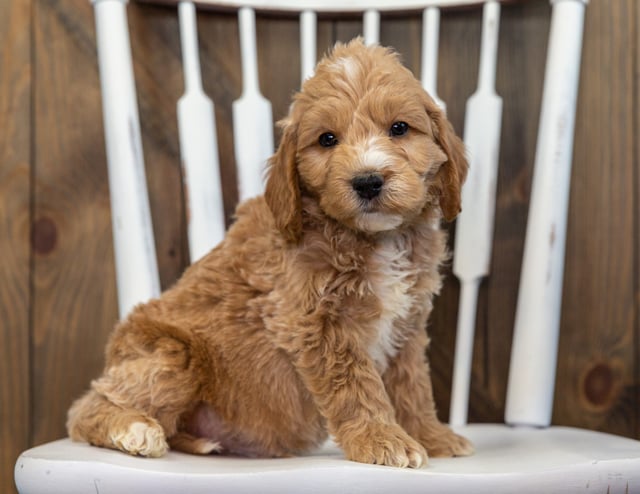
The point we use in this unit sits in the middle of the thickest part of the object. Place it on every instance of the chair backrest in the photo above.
(532, 370)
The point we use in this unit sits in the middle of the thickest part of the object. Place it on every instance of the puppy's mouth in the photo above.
(370, 205)
(376, 221)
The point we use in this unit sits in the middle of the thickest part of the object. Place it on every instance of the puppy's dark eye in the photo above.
(398, 129)
(328, 140)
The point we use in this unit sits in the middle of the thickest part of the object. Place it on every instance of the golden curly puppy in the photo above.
(310, 317)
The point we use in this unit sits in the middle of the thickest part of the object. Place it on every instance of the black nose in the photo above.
(368, 186)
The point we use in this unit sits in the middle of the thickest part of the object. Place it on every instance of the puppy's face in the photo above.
(366, 141)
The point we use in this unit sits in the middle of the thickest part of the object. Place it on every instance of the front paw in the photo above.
(442, 442)
(382, 444)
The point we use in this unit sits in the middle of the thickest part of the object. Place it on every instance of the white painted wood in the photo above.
(371, 27)
(463, 356)
(198, 147)
(507, 460)
(337, 6)
(252, 117)
(535, 341)
(474, 226)
(430, 42)
(308, 47)
(135, 253)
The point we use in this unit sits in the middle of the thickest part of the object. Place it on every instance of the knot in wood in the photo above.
(598, 385)
(44, 235)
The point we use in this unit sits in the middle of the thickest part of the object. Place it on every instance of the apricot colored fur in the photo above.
(310, 317)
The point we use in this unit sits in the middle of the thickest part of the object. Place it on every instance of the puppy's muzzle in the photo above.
(368, 186)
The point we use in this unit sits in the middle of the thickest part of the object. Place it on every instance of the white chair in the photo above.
(525, 455)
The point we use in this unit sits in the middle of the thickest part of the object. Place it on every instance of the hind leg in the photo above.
(150, 380)
(98, 421)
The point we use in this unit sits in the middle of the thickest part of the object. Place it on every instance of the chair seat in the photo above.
(507, 460)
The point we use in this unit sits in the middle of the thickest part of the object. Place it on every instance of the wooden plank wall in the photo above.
(57, 286)
(16, 85)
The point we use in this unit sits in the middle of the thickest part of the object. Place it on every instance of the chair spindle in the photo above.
(531, 381)
(135, 253)
(474, 227)
(198, 147)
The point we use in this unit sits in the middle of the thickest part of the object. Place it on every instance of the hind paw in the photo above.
(142, 439)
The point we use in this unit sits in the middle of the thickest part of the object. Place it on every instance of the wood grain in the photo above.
(596, 380)
(74, 299)
(15, 184)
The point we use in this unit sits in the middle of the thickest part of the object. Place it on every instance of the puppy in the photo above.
(309, 318)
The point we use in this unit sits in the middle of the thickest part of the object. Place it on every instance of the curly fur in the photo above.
(309, 318)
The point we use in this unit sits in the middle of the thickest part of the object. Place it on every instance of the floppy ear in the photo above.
(282, 191)
(453, 172)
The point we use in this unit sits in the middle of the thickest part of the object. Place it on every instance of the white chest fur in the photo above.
(391, 276)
